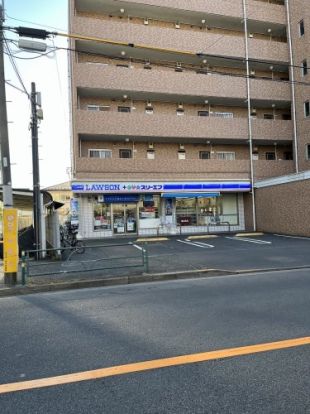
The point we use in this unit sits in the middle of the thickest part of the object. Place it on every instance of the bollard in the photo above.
(145, 258)
(23, 268)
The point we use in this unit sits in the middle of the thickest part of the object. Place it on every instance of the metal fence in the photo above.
(53, 262)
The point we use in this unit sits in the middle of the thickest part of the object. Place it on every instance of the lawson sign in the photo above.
(159, 187)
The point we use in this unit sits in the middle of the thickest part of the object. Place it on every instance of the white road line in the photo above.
(193, 244)
(292, 237)
(137, 247)
(248, 240)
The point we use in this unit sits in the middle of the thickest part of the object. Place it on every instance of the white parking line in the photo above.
(137, 247)
(292, 237)
(248, 240)
(202, 243)
(197, 244)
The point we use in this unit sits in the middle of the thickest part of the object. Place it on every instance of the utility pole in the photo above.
(35, 168)
(10, 245)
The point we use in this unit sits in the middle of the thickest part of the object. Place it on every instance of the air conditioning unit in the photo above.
(251, 35)
(100, 199)
(177, 25)
(252, 72)
(146, 21)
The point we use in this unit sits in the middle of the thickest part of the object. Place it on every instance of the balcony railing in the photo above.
(168, 126)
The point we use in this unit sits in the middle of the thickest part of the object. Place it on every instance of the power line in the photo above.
(15, 67)
(170, 65)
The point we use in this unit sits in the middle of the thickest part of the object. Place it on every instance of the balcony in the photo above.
(186, 40)
(140, 125)
(192, 128)
(143, 169)
(265, 130)
(265, 169)
(270, 90)
(159, 169)
(164, 82)
(224, 11)
(168, 82)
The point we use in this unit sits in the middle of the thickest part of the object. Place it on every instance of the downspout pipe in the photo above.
(292, 78)
(245, 20)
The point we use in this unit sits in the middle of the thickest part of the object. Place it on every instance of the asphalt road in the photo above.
(47, 335)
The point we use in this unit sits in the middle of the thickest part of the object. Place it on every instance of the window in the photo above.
(301, 25)
(268, 116)
(181, 155)
(150, 154)
(124, 109)
(100, 153)
(222, 114)
(125, 153)
(304, 68)
(288, 155)
(308, 151)
(178, 67)
(203, 113)
(270, 156)
(204, 155)
(225, 155)
(102, 108)
(307, 109)
(286, 117)
(122, 65)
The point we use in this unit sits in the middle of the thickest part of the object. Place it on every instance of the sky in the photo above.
(51, 77)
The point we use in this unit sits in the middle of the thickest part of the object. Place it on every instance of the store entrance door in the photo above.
(124, 218)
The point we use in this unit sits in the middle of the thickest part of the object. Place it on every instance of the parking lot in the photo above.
(229, 252)
(226, 252)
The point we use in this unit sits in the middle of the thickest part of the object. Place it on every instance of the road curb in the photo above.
(127, 280)
(113, 281)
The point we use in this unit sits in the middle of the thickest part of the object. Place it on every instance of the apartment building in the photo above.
(179, 107)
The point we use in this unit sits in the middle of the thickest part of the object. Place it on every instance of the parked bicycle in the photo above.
(68, 238)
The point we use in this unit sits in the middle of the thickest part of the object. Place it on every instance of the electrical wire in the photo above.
(36, 24)
(15, 68)
(170, 65)
(14, 86)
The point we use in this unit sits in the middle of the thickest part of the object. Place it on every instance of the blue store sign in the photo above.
(159, 187)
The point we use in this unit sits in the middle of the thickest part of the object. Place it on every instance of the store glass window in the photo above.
(102, 216)
(216, 210)
(186, 211)
(149, 207)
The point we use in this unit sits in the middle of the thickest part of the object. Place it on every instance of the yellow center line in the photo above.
(150, 365)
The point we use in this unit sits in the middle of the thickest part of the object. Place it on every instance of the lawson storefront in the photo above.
(152, 208)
